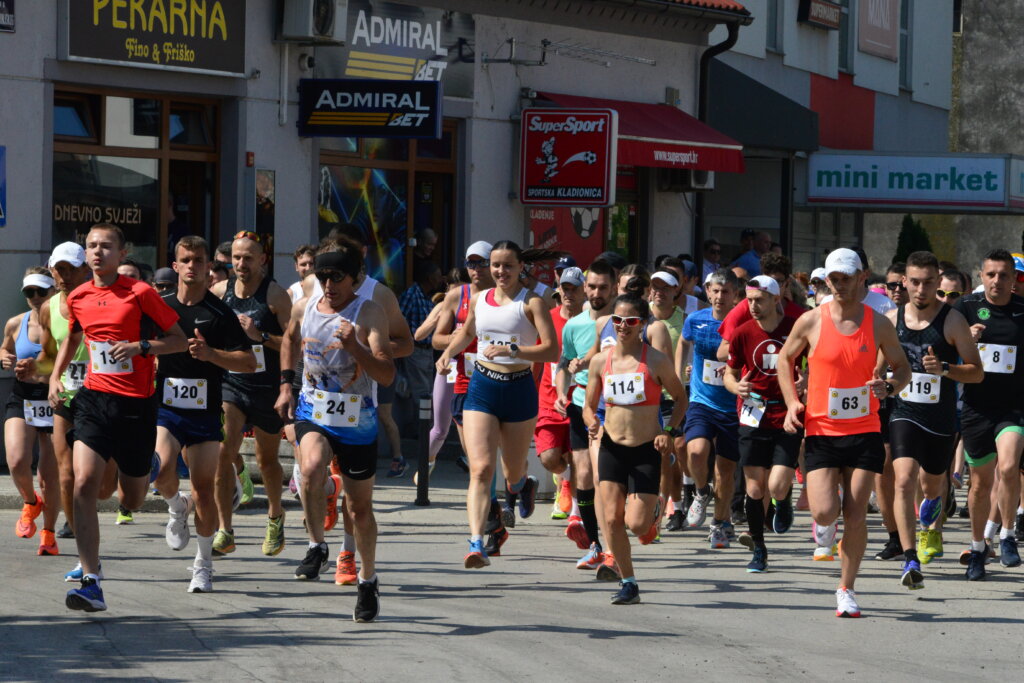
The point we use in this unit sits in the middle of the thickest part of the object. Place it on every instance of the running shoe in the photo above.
(746, 540)
(652, 533)
(47, 543)
(577, 533)
(430, 470)
(495, 540)
(273, 542)
(247, 488)
(873, 504)
(1019, 533)
(957, 479)
(316, 560)
(346, 572)
(951, 505)
(932, 546)
(563, 501)
(89, 597)
(892, 550)
(1008, 555)
(676, 521)
(718, 538)
(463, 463)
(912, 577)
(783, 519)
(202, 578)
(688, 493)
(592, 560)
(367, 602)
(698, 510)
(825, 553)
(609, 569)
(758, 563)
(824, 536)
(556, 511)
(331, 517)
(508, 517)
(738, 517)
(223, 542)
(528, 497)
(629, 594)
(975, 561)
(25, 527)
(293, 482)
(769, 516)
(398, 468)
(177, 533)
(846, 603)
(76, 574)
(476, 558)
(65, 531)
(931, 508)
(728, 528)
(124, 516)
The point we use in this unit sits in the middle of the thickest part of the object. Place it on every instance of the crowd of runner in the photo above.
(659, 403)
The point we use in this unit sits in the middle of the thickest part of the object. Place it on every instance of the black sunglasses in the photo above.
(30, 292)
(332, 275)
(477, 263)
(948, 295)
(893, 286)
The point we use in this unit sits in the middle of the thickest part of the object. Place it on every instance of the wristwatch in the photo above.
(144, 348)
(265, 336)
(513, 350)
(945, 369)
(889, 388)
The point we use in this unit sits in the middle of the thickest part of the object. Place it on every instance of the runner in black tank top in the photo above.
(934, 337)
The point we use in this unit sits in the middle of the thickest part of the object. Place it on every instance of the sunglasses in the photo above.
(163, 285)
(31, 292)
(893, 286)
(626, 321)
(473, 264)
(246, 234)
(334, 276)
(948, 295)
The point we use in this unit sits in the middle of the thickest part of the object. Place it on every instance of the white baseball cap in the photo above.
(72, 252)
(764, 283)
(571, 276)
(481, 249)
(843, 261)
(667, 278)
(37, 280)
(818, 274)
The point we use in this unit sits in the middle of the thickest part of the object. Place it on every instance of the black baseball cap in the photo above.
(613, 259)
(565, 262)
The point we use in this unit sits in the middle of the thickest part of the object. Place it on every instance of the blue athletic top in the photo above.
(23, 346)
(701, 329)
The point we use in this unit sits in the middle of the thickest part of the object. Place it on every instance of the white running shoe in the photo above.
(698, 510)
(178, 533)
(846, 603)
(825, 553)
(824, 536)
(202, 578)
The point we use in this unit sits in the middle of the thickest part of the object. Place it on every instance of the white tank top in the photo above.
(328, 367)
(503, 325)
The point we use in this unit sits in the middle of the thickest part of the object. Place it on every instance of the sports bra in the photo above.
(23, 346)
(637, 388)
(503, 324)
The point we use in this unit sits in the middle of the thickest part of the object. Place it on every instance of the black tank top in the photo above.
(938, 417)
(257, 308)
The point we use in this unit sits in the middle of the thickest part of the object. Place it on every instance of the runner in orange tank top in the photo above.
(844, 445)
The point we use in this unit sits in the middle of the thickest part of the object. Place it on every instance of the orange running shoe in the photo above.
(346, 573)
(565, 497)
(331, 518)
(652, 533)
(577, 533)
(47, 543)
(334, 467)
(609, 570)
(26, 526)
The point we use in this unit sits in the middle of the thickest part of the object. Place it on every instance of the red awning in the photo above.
(659, 135)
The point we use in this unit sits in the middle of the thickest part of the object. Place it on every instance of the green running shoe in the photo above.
(274, 541)
(247, 490)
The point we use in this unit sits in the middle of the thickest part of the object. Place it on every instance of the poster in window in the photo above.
(878, 28)
(580, 231)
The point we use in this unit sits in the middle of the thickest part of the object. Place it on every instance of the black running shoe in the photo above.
(463, 463)
(892, 550)
(65, 532)
(1019, 533)
(629, 594)
(495, 541)
(528, 497)
(783, 519)
(976, 565)
(493, 518)
(677, 522)
(367, 602)
(315, 561)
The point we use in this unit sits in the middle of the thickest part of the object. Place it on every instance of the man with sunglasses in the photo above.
(895, 288)
(993, 414)
(263, 308)
(343, 339)
(712, 257)
(952, 285)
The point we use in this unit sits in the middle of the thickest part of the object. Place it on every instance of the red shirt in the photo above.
(461, 314)
(113, 314)
(546, 393)
(741, 314)
(751, 348)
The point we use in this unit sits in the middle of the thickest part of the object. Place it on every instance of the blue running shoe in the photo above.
(931, 508)
(528, 497)
(728, 529)
(759, 563)
(1008, 555)
(912, 577)
(976, 565)
(182, 467)
(88, 598)
(783, 518)
(76, 574)
(398, 468)
(477, 556)
(629, 594)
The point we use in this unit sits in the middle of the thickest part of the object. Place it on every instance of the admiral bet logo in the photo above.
(567, 157)
(369, 108)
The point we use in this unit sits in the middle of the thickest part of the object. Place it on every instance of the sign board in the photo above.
(356, 107)
(821, 13)
(205, 36)
(567, 157)
(3, 186)
(878, 28)
(6, 18)
(1015, 183)
(941, 181)
(579, 230)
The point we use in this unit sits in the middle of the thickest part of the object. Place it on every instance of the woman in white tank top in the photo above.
(501, 404)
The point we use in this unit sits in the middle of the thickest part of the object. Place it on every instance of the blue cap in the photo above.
(565, 262)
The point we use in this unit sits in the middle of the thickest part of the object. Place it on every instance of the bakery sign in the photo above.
(567, 157)
(205, 36)
(820, 13)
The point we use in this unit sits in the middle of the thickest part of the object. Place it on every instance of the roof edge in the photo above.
(720, 16)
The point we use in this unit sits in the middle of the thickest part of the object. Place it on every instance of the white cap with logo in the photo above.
(72, 252)
(818, 274)
(843, 261)
(764, 283)
(481, 249)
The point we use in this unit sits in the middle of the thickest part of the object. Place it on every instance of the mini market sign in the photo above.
(943, 183)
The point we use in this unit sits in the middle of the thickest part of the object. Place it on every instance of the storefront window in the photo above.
(191, 125)
(435, 149)
(131, 122)
(72, 118)
(343, 145)
(385, 149)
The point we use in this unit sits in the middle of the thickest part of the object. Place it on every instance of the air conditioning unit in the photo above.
(684, 180)
(315, 21)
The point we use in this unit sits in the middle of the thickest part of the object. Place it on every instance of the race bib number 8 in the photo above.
(38, 413)
(848, 404)
(624, 389)
(751, 412)
(998, 358)
(103, 362)
(333, 409)
(189, 394)
(923, 388)
(713, 373)
(74, 376)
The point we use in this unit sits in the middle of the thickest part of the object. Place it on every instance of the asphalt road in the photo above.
(531, 615)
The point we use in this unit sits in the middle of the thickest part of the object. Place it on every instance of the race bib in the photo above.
(74, 376)
(103, 362)
(261, 361)
(38, 413)
(625, 389)
(334, 409)
(189, 394)
(453, 371)
(498, 339)
(848, 404)
(751, 412)
(713, 373)
(923, 388)
(470, 363)
(998, 358)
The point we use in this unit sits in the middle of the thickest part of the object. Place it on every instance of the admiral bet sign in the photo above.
(368, 108)
(567, 157)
